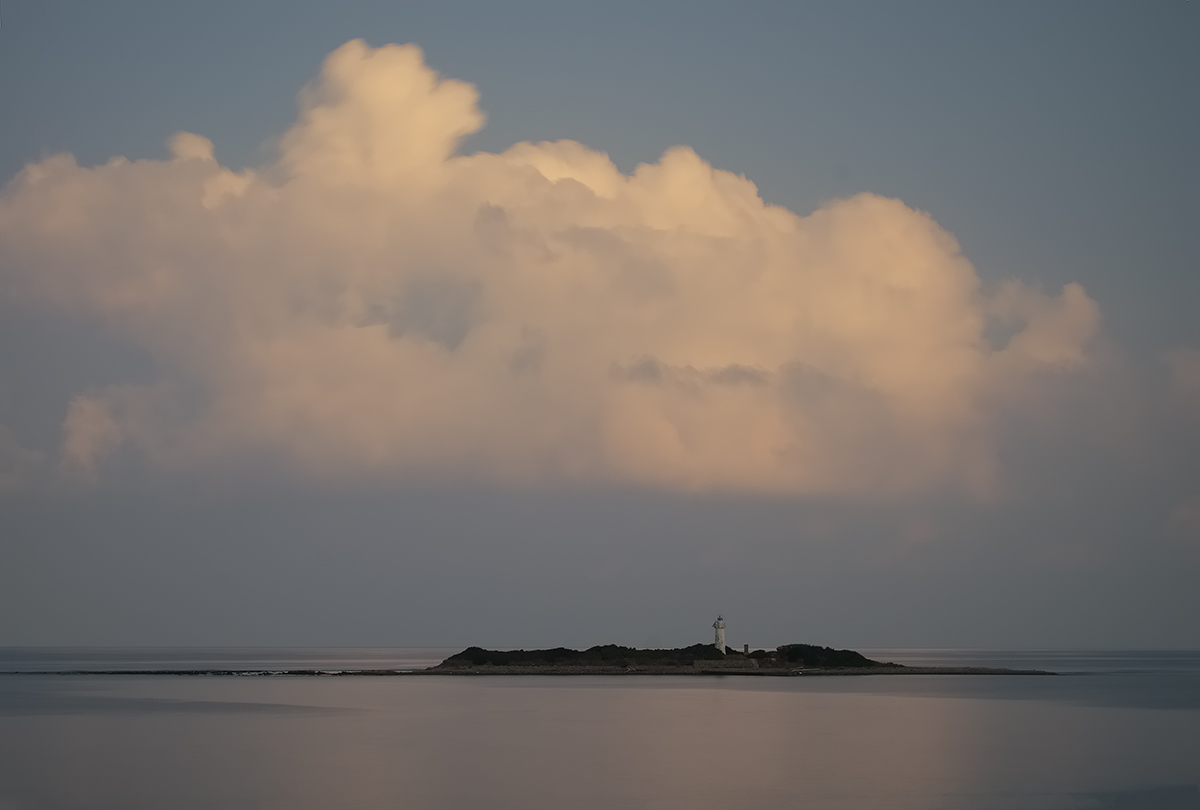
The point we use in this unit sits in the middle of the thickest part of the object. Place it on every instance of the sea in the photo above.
(1114, 729)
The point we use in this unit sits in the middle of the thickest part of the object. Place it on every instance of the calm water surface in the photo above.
(1122, 730)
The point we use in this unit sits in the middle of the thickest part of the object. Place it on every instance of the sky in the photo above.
(532, 324)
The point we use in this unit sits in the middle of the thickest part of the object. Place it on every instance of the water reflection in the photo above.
(588, 742)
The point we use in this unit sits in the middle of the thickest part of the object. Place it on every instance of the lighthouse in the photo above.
(719, 626)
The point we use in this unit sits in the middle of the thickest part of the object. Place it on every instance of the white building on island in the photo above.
(727, 663)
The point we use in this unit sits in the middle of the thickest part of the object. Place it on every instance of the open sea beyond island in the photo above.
(1112, 730)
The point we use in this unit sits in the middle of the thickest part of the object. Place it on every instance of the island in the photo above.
(788, 660)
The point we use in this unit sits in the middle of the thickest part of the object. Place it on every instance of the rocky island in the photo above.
(698, 659)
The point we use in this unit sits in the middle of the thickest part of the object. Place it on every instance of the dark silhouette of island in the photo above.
(612, 659)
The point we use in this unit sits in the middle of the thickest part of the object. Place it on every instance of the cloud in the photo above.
(374, 303)
(90, 432)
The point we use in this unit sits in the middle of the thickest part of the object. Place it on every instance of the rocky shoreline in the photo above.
(788, 660)
(775, 672)
(491, 670)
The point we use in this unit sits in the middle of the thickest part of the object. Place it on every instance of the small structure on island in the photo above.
(719, 626)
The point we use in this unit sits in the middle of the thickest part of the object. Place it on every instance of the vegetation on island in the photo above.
(808, 655)
(601, 655)
(613, 655)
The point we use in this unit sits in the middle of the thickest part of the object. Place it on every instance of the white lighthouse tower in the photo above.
(719, 626)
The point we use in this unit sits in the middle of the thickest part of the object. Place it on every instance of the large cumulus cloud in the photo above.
(373, 303)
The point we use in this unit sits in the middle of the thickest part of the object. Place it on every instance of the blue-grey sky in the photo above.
(368, 392)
